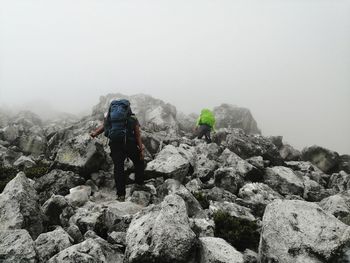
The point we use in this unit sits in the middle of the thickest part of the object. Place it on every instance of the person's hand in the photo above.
(142, 152)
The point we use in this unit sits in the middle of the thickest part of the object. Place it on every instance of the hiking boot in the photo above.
(121, 198)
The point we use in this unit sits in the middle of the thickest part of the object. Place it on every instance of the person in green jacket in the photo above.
(205, 123)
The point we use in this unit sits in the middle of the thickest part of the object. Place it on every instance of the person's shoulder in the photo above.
(134, 118)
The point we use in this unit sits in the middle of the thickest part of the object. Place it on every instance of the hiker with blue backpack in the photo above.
(205, 123)
(122, 129)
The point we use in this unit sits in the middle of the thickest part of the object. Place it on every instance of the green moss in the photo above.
(240, 233)
(36, 171)
(6, 175)
(202, 199)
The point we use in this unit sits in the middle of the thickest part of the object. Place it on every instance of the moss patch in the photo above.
(240, 233)
(36, 171)
(202, 199)
(6, 175)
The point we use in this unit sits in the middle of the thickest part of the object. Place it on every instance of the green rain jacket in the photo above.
(206, 117)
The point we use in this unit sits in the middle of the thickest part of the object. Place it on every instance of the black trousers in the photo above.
(204, 130)
(119, 152)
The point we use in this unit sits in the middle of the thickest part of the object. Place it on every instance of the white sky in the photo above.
(286, 60)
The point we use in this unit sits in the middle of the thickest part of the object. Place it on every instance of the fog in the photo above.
(288, 61)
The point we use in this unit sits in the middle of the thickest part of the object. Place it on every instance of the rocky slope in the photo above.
(242, 198)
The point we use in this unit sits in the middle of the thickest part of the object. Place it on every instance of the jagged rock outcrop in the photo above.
(215, 250)
(17, 246)
(299, 231)
(19, 207)
(230, 116)
(326, 160)
(161, 234)
(337, 205)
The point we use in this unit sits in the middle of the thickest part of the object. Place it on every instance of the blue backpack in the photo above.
(117, 119)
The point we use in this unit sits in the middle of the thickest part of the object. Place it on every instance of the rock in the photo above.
(337, 205)
(217, 250)
(284, 180)
(88, 251)
(169, 163)
(53, 208)
(288, 153)
(229, 179)
(19, 208)
(172, 186)
(257, 195)
(344, 163)
(194, 185)
(277, 141)
(24, 162)
(49, 244)
(186, 122)
(230, 116)
(219, 194)
(299, 231)
(161, 234)
(326, 160)
(246, 146)
(204, 168)
(142, 198)
(256, 161)
(17, 246)
(86, 217)
(81, 154)
(79, 195)
(242, 167)
(250, 256)
(56, 182)
(233, 209)
(74, 232)
(202, 227)
(314, 192)
(32, 144)
(117, 238)
(339, 181)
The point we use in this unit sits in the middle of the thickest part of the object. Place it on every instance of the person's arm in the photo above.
(98, 131)
(139, 140)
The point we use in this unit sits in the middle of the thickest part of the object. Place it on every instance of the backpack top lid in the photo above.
(207, 117)
(119, 109)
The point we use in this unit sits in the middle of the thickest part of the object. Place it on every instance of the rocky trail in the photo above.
(243, 198)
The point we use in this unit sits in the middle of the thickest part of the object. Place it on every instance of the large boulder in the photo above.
(284, 180)
(161, 234)
(337, 205)
(81, 154)
(19, 207)
(299, 231)
(232, 209)
(246, 146)
(49, 244)
(17, 246)
(228, 179)
(326, 160)
(217, 250)
(345, 163)
(230, 116)
(53, 209)
(339, 181)
(32, 143)
(56, 182)
(171, 162)
(288, 153)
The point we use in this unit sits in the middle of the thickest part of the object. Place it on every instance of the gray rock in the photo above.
(246, 146)
(161, 234)
(250, 256)
(326, 160)
(229, 179)
(79, 195)
(288, 153)
(314, 192)
(194, 185)
(217, 250)
(230, 116)
(257, 195)
(88, 251)
(53, 208)
(339, 181)
(81, 154)
(277, 141)
(17, 246)
(233, 209)
(49, 244)
(202, 227)
(24, 162)
(256, 161)
(337, 205)
(19, 208)
(284, 180)
(344, 163)
(74, 232)
(219, 194)
(34, 144)
(172, 186)
(169, 163)
(117, 238)
(10, 133)
(299, 231)
(56, 182)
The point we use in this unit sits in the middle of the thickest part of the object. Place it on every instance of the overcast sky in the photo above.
(288, 61)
